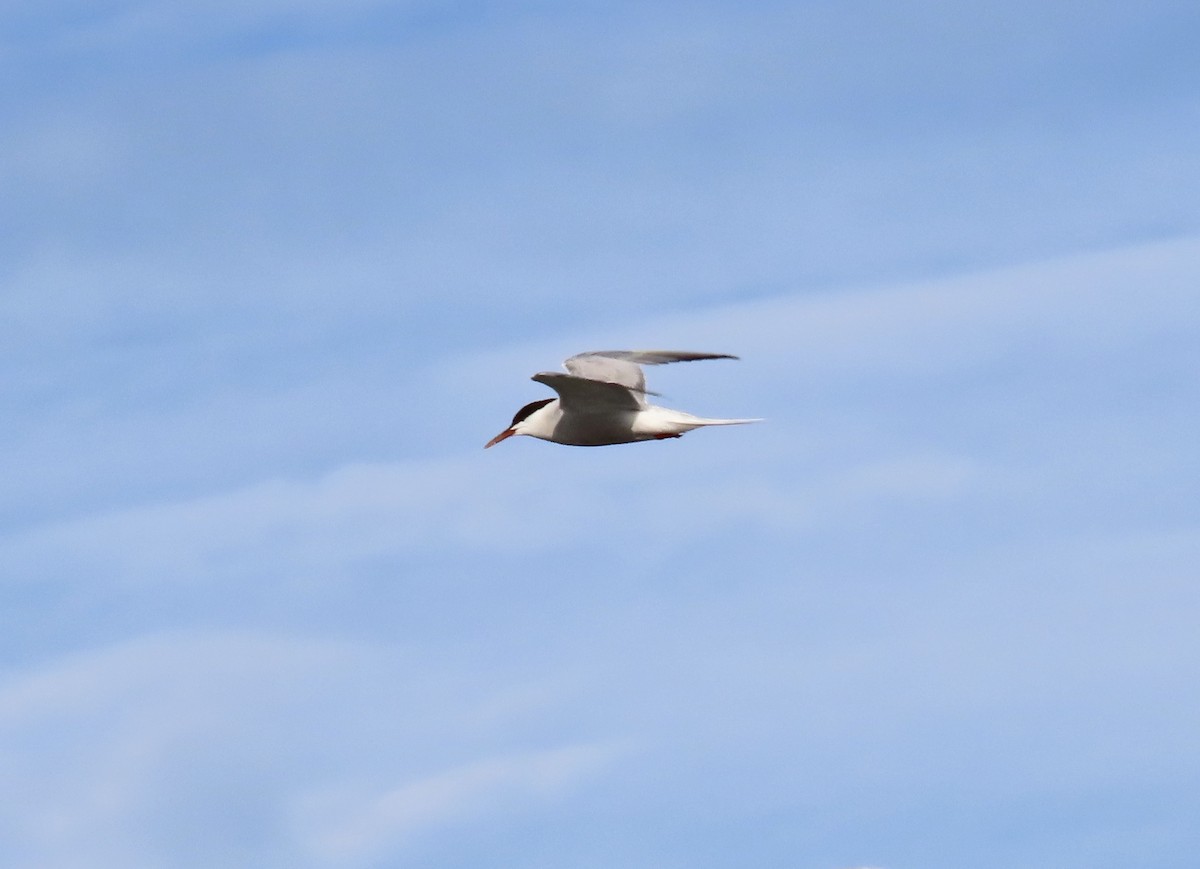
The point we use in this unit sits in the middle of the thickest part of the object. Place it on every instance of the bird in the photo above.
(602, 401)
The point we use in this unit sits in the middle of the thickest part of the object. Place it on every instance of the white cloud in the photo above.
(1079, 304)
(140, 24)
(346, 826)
(321, 528)
(130, 754)
(352, 513)
(97, 742)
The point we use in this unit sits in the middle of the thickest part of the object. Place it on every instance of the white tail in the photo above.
(702, 421)
(658, 420)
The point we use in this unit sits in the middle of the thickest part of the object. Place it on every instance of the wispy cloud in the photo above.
(145, 25)
(101, 746)
(351, 826)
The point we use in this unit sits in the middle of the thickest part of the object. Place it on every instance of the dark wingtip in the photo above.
(703, 356)
(687, 356)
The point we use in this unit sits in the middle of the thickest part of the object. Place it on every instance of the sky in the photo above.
(272, 273)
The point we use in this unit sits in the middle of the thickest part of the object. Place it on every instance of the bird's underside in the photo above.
(598, 430)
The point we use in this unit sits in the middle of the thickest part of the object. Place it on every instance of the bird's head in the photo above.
(521, 423)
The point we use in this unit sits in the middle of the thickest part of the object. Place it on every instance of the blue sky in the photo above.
(271, 273)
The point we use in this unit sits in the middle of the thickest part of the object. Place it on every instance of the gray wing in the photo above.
(623, 367)
(585, 395)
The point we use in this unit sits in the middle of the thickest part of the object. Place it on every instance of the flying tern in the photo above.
(602, 400)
